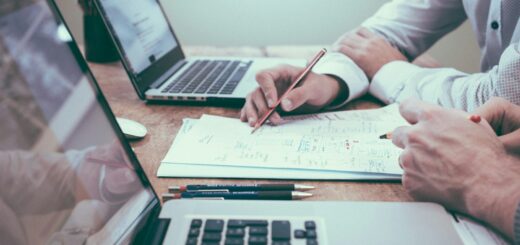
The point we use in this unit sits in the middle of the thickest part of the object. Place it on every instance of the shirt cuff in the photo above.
(342, 67)
(390, 80)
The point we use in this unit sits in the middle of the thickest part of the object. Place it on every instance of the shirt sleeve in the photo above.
(448, 87)
(414, 26)
(343, 68)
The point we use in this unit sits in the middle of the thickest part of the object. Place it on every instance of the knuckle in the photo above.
(406, 159)
(415, 136)
(262, 76)
(429, 113)
(406, 103)
(343, 49)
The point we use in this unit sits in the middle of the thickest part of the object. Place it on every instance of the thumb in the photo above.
(511, 141)
(295, 98)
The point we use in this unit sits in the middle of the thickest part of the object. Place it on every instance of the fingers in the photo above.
(260, 103)
(511, 141)
(413, 110)
(364, 32)
(272, 79)
(493, 111)
(255, 107)
(296, 98)
(249, 112)
(400, 136)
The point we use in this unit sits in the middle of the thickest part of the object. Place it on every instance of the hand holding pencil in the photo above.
(314, 92)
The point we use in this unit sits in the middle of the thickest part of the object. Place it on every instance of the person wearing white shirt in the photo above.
(376, 57)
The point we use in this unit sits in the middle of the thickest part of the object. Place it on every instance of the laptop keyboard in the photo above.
(253, 232)
(211, 77)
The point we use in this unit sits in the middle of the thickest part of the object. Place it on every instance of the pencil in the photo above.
(300, 78)
(473, 118)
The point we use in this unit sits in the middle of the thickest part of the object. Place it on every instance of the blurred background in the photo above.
(283, 22)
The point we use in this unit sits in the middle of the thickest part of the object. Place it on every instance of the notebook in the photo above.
(333, 145)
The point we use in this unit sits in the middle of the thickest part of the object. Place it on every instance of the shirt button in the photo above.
(494, 25)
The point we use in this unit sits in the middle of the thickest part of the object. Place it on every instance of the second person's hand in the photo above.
(314, 93)
(504, 117)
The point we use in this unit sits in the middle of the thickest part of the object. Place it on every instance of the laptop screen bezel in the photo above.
(143, 80)
(154, 203)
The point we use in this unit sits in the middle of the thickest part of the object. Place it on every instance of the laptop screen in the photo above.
(142, 29)
(67, 176)
(143, 37)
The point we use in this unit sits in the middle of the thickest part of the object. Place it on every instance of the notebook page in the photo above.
(340, 141)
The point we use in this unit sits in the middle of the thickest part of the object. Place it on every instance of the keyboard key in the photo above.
(244, 223)
(192, 241)
(211, 237)
(257, 240)
(235, 232)
(312, 242)
(311, 234)
(196, 223)
(300, 234)
(261, 231)
(210, 243)
(281, 230)
(310, 225)
(234, 241)
(214, 225)
(281, 243)
(194, 232)
(236, 223)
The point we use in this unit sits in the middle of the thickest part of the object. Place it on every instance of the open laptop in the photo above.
(69, 177)
(158, 68)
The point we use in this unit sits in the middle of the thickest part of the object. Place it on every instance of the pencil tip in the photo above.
(383, 137)
(296, 195)
(253, 131)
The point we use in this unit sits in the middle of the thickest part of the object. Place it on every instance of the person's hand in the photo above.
(461, 164)
(314, 93)
(106, 174)
(368, 50)
(504, 117)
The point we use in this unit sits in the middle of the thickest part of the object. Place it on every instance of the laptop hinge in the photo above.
(161, 80)
(154, 233)
(157, 237)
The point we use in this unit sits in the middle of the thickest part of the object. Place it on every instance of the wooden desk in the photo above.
(163, 122)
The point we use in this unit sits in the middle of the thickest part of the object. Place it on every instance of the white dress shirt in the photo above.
(413, 26)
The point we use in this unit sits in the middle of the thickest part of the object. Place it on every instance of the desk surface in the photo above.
(163, 122)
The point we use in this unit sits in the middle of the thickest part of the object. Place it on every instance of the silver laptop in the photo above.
(158, 68)
(69, 177)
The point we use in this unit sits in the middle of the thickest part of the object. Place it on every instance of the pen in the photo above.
(250, 187)
(243, 195)
(300, 78)
(473, 118)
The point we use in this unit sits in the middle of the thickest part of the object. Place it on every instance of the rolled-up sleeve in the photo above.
(414, 26)
(343, 68)
(448, 87)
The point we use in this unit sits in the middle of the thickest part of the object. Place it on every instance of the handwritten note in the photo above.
(344, 141)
